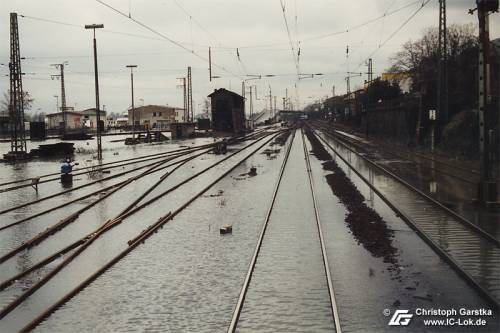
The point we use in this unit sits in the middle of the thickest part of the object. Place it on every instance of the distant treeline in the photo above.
(381, 108)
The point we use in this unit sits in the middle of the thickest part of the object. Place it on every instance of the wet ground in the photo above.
(383, 264)
(187, 277)
(288, 291)
(477, 255)
(452, 183)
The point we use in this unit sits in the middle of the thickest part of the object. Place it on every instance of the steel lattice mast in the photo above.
(442, 96)
(190, 96)
(16, 103)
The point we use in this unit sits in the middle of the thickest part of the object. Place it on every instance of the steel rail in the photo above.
(93, 193)
(136, 242)
(48, 232)
(331, 291)
(239, 305)
(89, 239)
(103, 228)
(87, 184)
(110, 163)
(414, 226)
(357, 143)
(448, 211)
(74, 216)
(139, 160)
(431, 159)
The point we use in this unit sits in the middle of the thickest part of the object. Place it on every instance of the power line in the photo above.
(344, 31)
(193, 19)
(290, 37)
(365, 23)
(166, 38)
(424, 3)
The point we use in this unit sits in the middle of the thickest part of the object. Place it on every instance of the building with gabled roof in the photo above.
(228, 111)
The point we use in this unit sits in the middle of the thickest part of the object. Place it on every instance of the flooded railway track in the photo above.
(469, 250)
(249, 284)
(100, 168)
(80, 245)
(153, 168)
(348, 143)
(454, 171)
(45, 178)
(108, 192)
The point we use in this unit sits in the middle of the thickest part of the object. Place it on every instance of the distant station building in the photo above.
(121, 121)
(228, 111)
(90, 118)
(74, 120)
(153, 116)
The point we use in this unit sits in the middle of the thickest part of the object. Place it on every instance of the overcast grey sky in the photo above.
(256, 28)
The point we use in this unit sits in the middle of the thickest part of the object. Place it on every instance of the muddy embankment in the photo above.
(366, 225)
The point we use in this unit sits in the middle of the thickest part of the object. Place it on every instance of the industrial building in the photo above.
(154, 116)
(228, 111)
(74, 120)
(90, 118)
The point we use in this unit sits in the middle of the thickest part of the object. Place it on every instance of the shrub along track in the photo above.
(367, 226)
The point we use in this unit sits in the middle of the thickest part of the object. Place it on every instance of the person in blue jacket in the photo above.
(66, 167)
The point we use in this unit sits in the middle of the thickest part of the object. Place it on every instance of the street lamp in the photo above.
(132, 89)
(97, 105)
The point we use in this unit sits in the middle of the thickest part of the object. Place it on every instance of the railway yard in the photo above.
(250, 166)
(328, 234)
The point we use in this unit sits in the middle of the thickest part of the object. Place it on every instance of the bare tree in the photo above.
(27, 99)
(414, 54)
(419, 58)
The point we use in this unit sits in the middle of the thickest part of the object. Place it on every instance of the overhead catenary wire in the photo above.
(233, 47)
(294, 54)
(212, 36)
(394, 33)
(363, 24)
(196, 54)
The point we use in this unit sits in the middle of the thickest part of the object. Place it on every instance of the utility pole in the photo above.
(286, 107)
(270, 102)
(210, 63)
(97, 105)
(190, 112)
(442, 103)
(487, 186)
(370, 71)
(132, 93)
(16, 99)
(348, 89)
(183, 86)
(275, 97)
(368, 82)
(251, 108)
(63, 93)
